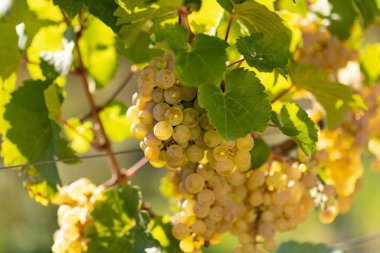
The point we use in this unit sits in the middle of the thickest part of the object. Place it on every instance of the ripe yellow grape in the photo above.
(163, 130)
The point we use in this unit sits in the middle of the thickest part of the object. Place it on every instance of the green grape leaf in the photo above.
(341, 17)
(172, 36)
(263, 52)
(99, 53)
(296, 124)
(294, 247)
(21, 14)
(33, 135)
(71, 7)
(205, 63)
(139, 51)
(114, 121)
(10, 56)
(368, 10)
(241, 108)
(206, 19)
(119, 225)
(226, 4)
(259, 154)
(48, 39)
(193, 4)
(335, 97)
(104, 10)
(259, 19)
(61, 60)
(6, 88)
(80, 134)
(133, 20)
(161, 228)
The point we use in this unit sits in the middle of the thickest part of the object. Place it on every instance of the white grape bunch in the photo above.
(323, 49)
(252, 206)
(75, 204)
(174, 130)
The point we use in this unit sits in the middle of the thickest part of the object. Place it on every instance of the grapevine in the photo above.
(257, 113)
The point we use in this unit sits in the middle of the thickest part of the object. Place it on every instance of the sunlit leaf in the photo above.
(48, 39)
(296, 124)
(10, 57)
(119, 225)
(240, 108)
(132, 21)
(80, 134)
(33, 134)
(205, 63)
(115, 122)
(335, 97)
(206, 19)
(45, 10)
(99, 53)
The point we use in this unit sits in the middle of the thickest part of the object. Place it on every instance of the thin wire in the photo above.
(68, 159)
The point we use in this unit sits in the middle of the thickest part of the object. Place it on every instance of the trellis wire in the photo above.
(67, 159)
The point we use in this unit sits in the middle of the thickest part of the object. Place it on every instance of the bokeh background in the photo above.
(28, 227)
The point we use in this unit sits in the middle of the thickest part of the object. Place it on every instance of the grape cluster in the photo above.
(323, 49)
(210, 177)
(174, 130)
(75, 204)
(252, 206)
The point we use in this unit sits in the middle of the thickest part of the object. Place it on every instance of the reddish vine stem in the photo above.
(230, 20)
(281, 94)
(183, 19)
(129, 77)
(285, 147)
(136, 167)
(236, 62)
(146, 207)
(117, 176)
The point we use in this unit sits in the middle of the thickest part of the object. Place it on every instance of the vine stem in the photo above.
(236, 62)
(281, 94)
(136, 167)
(183, 19)
(230, 20)
(117, 176)
(146, 207)
(285, 147)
